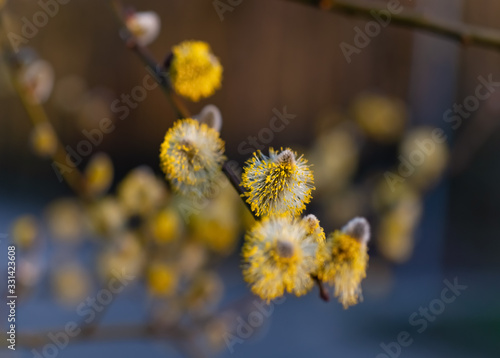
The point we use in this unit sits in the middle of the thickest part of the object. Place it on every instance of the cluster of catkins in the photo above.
(283, 252)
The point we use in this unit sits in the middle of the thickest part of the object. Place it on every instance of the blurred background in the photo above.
(354, 121)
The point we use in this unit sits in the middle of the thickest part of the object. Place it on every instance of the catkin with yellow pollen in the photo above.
(314, 229)
(191, 156)
(345, 259)
(44, 140)
(279, 255)
(99, 174)
(278, 184)
(161, 279)
(194, 71)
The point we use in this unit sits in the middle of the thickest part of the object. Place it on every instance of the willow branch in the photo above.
(235, 181)
(323, 292)
(465, 34)
(147, 58)
(160, 77)
(104, 333)
(37, 115)
(163, 81)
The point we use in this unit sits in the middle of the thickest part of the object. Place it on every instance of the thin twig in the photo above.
(159, 75)
(104, 333)
(90, 328)
(465, 34)
(147, 58)
(235, 181)
(323, 293)
(37, 115)
(127, 331)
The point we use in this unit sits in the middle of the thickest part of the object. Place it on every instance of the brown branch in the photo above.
(160, 76)
(158, 73)
(465, 34)
(37, 115)
(89, 328)
(104, 333)
(235, 181)
(323, 293)
(147, 58)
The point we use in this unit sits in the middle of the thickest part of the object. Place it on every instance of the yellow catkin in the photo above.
(345, 262)
(279, 255)
(99, 174)
(194, 71)
(191, 157)
(278, 184)
(162, 279)
(24, 231)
